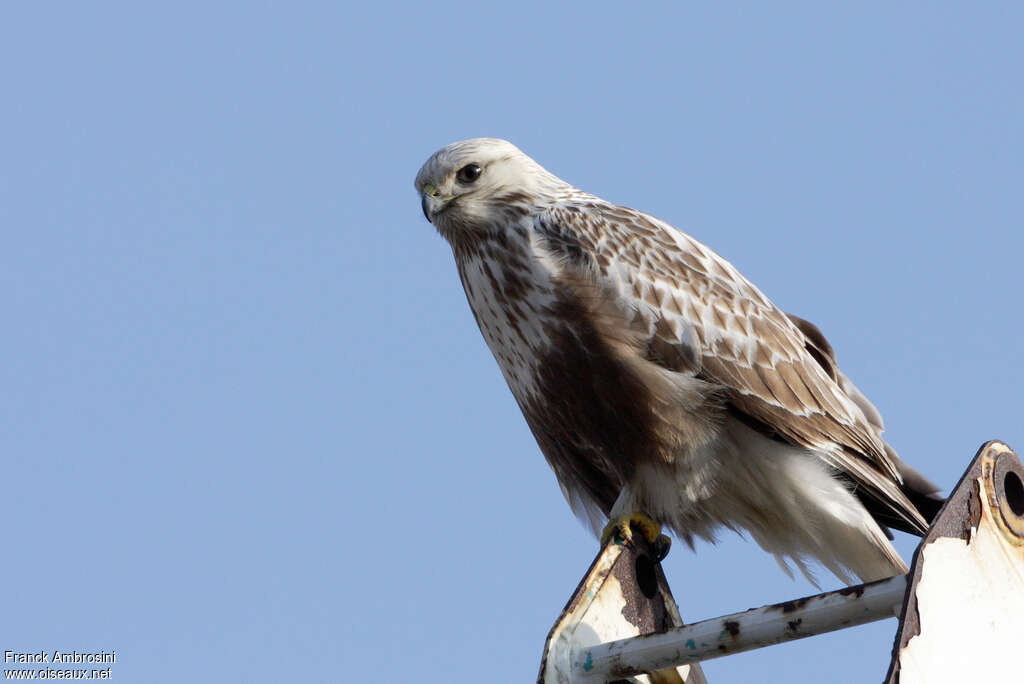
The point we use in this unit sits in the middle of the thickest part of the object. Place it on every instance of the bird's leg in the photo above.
(623, 524)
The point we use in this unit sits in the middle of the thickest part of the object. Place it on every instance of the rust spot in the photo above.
(790, 606)
(643, 607)
(973, 511)
(856, 591)
(732, 627)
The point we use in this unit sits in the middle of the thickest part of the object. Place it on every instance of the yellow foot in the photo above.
(623, 528)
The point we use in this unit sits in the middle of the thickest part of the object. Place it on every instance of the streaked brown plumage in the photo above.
(656, 378)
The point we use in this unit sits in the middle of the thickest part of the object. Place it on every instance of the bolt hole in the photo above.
(646, 577)
(1014, 490)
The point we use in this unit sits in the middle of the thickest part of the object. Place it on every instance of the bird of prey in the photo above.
(662, 386)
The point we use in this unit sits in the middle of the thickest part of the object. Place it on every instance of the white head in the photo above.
(475, 185)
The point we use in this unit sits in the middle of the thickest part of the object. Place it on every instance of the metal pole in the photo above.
(744, 631)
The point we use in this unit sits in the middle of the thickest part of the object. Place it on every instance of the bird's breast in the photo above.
(513, 299)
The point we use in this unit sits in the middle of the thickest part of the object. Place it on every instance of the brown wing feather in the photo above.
(776, 373)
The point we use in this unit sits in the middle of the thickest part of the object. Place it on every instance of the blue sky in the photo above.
(250, 431)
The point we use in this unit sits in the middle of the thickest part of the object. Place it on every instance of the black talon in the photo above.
(660, 548)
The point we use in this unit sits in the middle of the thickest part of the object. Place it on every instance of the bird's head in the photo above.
(474, 185)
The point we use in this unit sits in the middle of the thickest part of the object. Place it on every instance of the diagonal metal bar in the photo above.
(744, 631)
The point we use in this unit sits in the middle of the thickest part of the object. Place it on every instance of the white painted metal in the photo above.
(742, 631)
(599, 611)
(970, 599)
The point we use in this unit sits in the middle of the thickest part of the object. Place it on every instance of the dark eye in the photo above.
(468, 173)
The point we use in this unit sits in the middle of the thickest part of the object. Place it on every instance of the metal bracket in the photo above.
(623, 594)
(963, 615)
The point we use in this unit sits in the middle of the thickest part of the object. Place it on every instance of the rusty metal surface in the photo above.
(623, 594)
(747, 630)
(965, 605)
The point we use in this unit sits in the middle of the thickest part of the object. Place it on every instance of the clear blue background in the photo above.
(249, 430)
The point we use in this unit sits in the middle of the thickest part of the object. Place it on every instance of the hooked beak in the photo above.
(432, 202)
